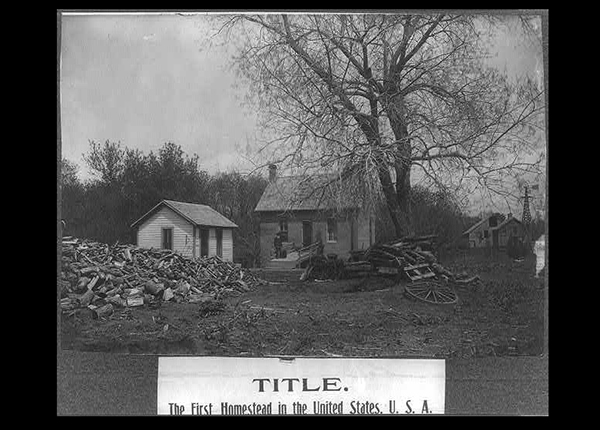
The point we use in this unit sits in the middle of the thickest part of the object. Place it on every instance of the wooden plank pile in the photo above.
(410, 256)
(402, 252)
(104, 277)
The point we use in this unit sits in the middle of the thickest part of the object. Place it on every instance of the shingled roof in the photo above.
(314, 192)
(195, 213)
(499, 226)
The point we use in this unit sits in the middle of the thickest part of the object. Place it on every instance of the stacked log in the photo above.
(392, 258)
(403, 252)
(96, 275)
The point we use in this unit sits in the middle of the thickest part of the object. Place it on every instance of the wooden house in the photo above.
(307, 209)
(494, 231)
(191, 229)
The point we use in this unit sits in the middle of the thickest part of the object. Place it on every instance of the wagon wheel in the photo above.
(431, 292)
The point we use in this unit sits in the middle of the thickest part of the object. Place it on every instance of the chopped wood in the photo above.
(82, 284)
(86, 298)
(104, 311)
(135, 301)
(117, 301)
(388, 270)
(153, 288)
(87, 270)
(168, 294)
(98, 272)
(195, 298)
(92, 283)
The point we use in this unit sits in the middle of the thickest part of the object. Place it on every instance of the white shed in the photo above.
(191, 229)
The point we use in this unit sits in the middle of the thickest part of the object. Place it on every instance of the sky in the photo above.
(146, 79)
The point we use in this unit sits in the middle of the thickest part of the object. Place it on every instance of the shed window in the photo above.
(203, 242)
(331, 230)
(167, 238)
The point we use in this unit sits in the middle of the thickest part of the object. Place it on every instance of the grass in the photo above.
(362, 317)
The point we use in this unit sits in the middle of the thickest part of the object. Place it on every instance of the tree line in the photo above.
(126, 183)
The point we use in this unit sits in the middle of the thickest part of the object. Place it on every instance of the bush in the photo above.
(516, 248)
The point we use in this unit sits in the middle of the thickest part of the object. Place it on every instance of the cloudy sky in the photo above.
(146, 79)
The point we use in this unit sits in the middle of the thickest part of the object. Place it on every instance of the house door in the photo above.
(353, 234)
(203, 242)
(306, 233)
(495, 242)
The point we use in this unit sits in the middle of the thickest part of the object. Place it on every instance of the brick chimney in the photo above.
(272, 172)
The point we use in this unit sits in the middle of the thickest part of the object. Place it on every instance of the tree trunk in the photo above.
(397, 214)
(403, 192)
(402, 164)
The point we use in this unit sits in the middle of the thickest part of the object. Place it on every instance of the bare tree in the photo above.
(381, 96)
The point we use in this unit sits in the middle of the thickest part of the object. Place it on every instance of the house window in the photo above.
(486, 233)
(283, 229)
(331, 230)
(219, 232)
(493, 221)
(167, 238)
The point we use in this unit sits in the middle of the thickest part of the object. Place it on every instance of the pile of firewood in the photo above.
(104, 277)
(399, 257)
(403, 252)
(411, 253)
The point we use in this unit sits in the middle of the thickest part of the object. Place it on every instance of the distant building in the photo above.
(191, 229)
(494, 231)
(307, 209)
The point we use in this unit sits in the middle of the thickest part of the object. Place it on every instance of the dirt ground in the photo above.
(502, 315)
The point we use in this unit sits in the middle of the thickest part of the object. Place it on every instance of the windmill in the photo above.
(526, 217)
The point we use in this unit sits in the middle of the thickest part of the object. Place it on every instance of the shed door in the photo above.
(306, 233)
(219, 232)
(203, 242)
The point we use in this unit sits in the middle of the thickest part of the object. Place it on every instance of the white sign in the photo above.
(299, 386)
(540, 254)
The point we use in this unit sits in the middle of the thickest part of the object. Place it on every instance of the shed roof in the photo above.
(499, 226)
(474, 226)
(194, 213)
(507, 221)
(313, 192)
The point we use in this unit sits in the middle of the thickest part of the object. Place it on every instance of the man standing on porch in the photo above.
(278, 243)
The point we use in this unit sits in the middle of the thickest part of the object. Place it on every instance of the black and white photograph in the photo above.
(330, 184)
